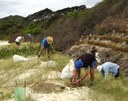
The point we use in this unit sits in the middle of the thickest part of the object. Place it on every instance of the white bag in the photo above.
(18, 58)
(97, 57)
(45, 64)
(67, 71)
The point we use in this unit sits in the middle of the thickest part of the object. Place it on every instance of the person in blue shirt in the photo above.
(109, 67)
(45, 45)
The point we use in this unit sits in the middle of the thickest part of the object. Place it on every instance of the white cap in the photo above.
(97, 57)
(99, 68)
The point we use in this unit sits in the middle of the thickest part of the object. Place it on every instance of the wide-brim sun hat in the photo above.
(99, 68)
(50, 39)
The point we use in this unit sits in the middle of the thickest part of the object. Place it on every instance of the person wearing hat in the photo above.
(109, 67)
(45, 45)
(18, 40)
(84, 61)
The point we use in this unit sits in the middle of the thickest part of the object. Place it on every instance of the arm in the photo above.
(75, 72)
(82, 78)
(106, 72)
(40, 51)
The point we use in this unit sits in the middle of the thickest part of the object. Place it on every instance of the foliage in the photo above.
(10, 23)
(111, 88)
(67, 25)
(24, 50)
(33, 31)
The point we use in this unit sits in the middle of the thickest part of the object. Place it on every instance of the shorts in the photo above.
(93, 64)
(17, 43)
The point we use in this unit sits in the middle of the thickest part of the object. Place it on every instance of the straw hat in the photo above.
(50, 39)
(99, 68)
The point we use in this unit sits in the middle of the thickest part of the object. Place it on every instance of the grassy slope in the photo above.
(102, 90)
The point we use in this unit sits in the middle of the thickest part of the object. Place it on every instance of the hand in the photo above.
(78, 81)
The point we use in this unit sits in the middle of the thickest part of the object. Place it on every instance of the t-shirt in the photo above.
(87, 59)
(18, 39)
(45, 43)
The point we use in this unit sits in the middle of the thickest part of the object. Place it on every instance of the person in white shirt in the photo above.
(109, 67)
(18, 40)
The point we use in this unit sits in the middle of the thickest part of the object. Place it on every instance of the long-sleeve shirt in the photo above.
(110, 67)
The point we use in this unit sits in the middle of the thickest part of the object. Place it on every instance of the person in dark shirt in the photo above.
(85, 61)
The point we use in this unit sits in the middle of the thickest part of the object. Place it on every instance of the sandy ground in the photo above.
(69, 94)
(74, 94)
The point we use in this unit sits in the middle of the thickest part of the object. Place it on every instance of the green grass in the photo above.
(24, 49)
(111, 88)
(11, 69)
(102, 90)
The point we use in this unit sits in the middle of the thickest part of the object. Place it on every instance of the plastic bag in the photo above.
(67, 71)
(18, 58)
(46, 64)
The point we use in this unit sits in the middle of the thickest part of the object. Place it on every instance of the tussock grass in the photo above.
(102, 90)
(113, 89)
(25, 50)
(13, 70)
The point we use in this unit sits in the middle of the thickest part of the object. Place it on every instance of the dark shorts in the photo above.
(17, 43)
(92, 65)
(118, 73)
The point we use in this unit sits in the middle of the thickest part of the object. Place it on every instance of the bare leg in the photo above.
(92, 74)
(40, 52)
(78, 77)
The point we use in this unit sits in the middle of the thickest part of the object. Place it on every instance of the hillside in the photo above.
(10, 24)
(69, 24)
(74, 30)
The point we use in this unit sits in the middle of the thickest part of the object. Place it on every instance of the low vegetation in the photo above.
(109, 89)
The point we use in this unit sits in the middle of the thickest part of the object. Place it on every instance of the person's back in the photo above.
(45, 43)
(18, 39)
(110, 67)
(87, 59)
